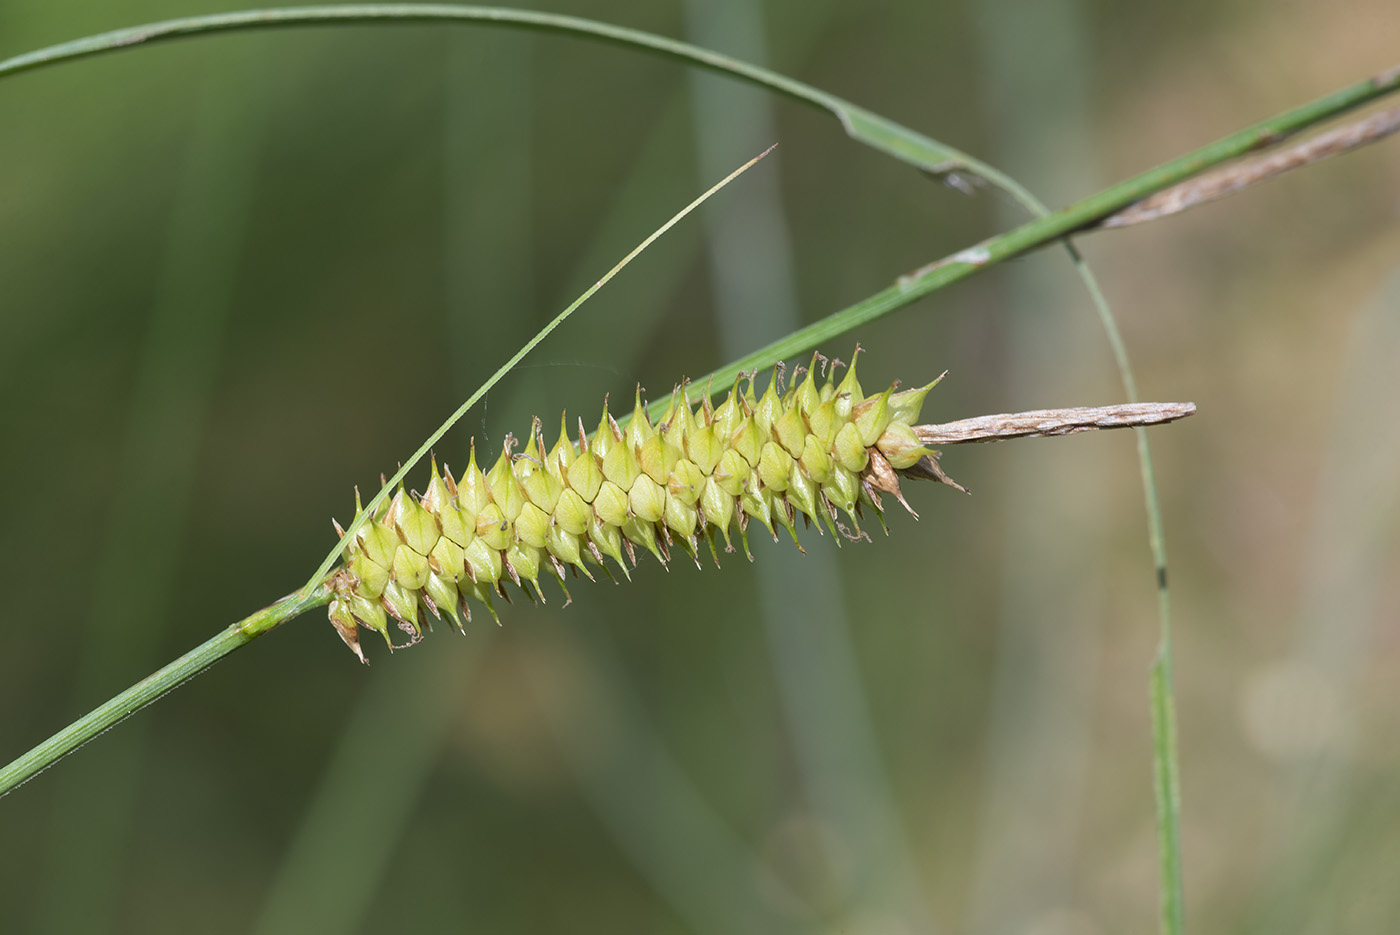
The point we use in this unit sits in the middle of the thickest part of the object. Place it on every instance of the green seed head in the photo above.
(820, 452)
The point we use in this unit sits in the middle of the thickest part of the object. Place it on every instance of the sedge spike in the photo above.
(802, 454)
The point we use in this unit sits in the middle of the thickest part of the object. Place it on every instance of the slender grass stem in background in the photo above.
(1050, 619)
(1045, 230)
(141, 555)
(1166, 768)
(1343, 621)
(400, 728)
(390, 740)
(803, 603)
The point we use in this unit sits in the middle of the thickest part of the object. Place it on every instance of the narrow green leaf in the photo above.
(1053, 227)
(334, 555)
(1167, 787)
(315, 592)
(862, 125)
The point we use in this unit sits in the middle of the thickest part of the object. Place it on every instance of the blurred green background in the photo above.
(240, 276)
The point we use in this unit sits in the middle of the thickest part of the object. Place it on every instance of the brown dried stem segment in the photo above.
(1025, 424)
(1230, 179)
(1051, 422)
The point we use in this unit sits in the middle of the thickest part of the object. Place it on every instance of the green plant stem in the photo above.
(317, 591)
(870, 128)
(154, 686)
(1053, 227)
(862, 125)
(1166, 767)
(1166, 778)
(363, 515)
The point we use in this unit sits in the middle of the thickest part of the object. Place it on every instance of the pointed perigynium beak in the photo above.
(797, 455)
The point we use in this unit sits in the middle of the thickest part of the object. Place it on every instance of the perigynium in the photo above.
(818, 455)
